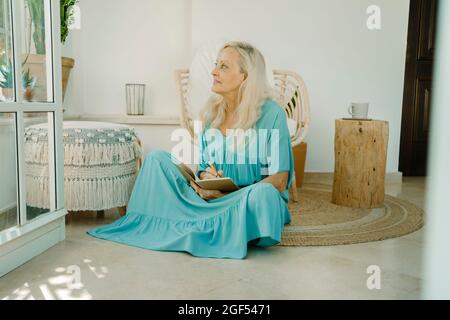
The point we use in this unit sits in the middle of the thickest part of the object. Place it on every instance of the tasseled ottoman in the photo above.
(100, 165)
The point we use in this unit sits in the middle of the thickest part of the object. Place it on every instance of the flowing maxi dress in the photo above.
(165, 213)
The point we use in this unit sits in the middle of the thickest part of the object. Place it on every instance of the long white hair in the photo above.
(254, 90)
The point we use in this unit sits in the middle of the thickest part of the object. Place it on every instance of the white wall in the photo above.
(328, 44)
(119, 42)
(325, 41)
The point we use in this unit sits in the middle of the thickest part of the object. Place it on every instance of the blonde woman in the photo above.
(166, 212)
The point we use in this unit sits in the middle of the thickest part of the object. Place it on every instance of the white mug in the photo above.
(359, 110)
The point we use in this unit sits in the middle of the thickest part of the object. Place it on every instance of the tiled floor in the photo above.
(110, 270)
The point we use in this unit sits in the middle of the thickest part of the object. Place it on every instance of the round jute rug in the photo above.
(318, 222)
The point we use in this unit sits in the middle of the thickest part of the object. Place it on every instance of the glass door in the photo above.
(31, 157)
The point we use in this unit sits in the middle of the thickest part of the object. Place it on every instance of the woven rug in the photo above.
(318, 222)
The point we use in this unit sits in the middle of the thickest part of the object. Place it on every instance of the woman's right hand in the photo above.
(207, 194)
(208, 174)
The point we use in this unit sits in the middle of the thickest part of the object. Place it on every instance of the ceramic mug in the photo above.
(358, 110)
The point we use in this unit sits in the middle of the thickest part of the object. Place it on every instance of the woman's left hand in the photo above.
(207, 194)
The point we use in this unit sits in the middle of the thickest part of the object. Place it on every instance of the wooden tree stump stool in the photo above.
(360, 150)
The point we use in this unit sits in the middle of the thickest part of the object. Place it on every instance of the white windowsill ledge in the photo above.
(126, 119)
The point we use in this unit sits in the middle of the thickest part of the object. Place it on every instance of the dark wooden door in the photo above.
(418, 87)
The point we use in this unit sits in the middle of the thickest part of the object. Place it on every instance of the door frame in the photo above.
(409, 90)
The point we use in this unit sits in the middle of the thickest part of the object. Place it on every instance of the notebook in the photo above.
(224, 184)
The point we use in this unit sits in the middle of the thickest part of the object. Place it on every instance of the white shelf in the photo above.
(126, 119)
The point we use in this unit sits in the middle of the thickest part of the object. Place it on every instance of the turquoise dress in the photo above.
(165, 213)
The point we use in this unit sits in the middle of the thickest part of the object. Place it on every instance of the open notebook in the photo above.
(223, 184)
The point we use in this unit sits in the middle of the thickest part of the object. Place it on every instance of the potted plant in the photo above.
(36, 11)
(28, 84)
(66, 15)
(7, 83)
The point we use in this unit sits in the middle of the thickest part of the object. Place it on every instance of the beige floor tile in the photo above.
(110, 270)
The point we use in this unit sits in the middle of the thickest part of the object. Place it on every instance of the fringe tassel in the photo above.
(85, 154)
(99, 194)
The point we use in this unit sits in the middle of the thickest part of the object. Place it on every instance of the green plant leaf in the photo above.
(65, 15)
(7, 74)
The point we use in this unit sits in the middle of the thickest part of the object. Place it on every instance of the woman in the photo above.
(165, 212)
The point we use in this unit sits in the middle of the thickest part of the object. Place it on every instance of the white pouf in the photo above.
(100, 165)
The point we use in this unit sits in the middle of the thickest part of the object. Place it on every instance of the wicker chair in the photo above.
(292, 95)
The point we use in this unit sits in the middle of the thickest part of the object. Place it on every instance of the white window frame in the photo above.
(55, 130)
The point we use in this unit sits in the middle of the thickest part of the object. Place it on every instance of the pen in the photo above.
(214, 168)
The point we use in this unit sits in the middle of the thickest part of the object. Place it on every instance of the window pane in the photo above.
(2, 10)
(37, 76)
(8, 172)
(38, 180)
(6, 53)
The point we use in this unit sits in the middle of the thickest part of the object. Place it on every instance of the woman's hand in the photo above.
(207, 194)
(210, 174)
